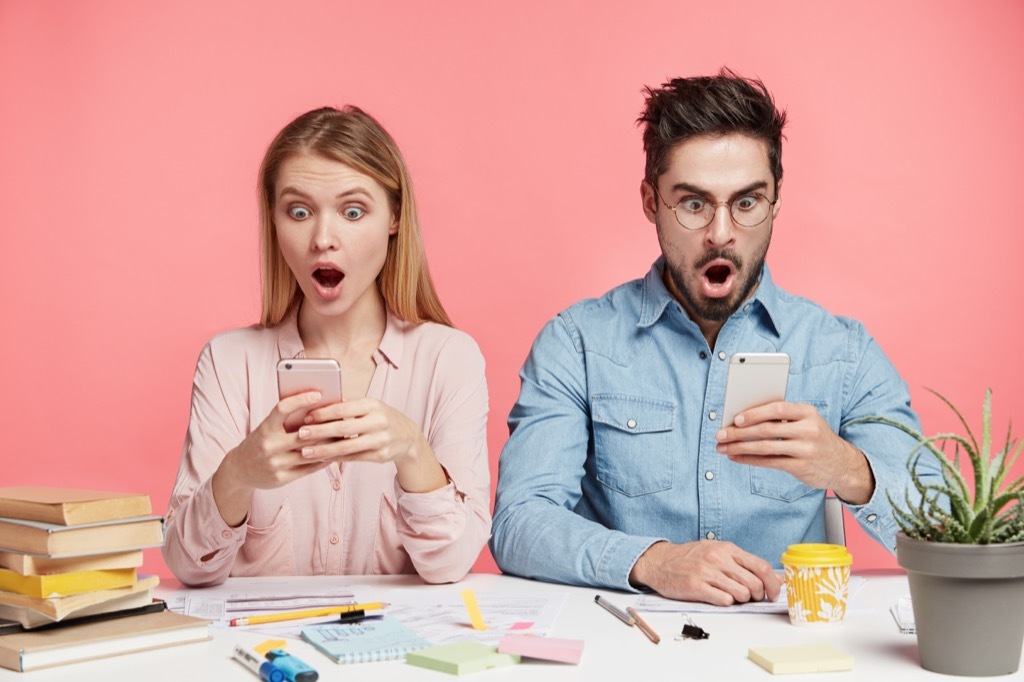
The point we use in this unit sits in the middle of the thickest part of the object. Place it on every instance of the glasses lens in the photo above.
(750, 211)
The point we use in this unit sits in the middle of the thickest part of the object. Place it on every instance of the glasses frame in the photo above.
(714, 212)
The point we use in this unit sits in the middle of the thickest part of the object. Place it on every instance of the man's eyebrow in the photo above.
(687, 187)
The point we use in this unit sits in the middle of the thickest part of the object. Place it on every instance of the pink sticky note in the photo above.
(521, 626)
(544, 648)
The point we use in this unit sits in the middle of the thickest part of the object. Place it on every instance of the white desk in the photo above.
(613, 651)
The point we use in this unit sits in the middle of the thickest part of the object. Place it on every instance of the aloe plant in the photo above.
(950, 512)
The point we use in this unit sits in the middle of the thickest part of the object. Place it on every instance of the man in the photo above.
(617, 472)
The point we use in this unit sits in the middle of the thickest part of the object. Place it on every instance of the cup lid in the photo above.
(816, 554)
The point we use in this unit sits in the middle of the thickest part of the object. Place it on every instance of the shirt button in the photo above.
(703, 355)
(631, 423)
(712, 415)
(226, 534)
(710, 475)
(746, 307)
(710, 535)
(721, 355)
(336, 485)
(334, 539)
(872, 517)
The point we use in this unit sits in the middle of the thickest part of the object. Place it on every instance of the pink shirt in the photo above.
(343, 520)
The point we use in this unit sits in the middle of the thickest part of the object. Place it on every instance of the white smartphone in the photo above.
(754, 379)
(308, 374)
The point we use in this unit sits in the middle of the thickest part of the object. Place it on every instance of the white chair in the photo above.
(835, 528)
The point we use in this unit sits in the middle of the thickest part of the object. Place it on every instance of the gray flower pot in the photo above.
(968, 605)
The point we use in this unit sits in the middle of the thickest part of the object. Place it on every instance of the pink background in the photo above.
(130, 135)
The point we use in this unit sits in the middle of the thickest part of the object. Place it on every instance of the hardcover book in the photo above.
(30, 564)
(69, 506)
(50, 539)
(58, 646)
(30, 618)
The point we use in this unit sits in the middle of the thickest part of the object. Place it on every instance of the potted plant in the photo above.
(962, 546)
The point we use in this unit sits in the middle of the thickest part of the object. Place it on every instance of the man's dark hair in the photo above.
(709, 105)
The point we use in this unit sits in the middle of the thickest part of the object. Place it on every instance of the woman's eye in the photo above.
(298, 213)
(692, 204)
(353, 213)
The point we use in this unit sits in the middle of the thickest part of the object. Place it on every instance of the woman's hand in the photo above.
(367, 430)
(269, 457)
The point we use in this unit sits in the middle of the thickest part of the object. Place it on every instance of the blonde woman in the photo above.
(392, 479)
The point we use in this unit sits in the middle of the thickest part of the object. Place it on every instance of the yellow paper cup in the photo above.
(817, 583)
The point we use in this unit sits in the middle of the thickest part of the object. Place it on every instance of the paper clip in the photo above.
(692, 631)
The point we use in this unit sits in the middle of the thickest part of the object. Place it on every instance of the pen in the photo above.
(615, 610)
(262, 667)
(642, 624)
(308, 613)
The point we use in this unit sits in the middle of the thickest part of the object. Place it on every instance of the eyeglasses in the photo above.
(695, 212)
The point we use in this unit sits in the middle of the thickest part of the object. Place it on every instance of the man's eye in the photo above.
(353, 213)
(746, 203)
(298, 213)
(692, 205)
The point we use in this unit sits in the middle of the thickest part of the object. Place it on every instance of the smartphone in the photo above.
(308, 374)
(754, 379)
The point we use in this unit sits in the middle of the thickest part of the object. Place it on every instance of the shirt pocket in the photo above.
(633, 443)
(268, 549)
(780, 485)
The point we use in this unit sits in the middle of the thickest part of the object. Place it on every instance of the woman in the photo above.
(393, 479)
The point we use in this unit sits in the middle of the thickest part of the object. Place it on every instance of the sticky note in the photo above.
(263, 647)
(543, 648)
(475, 617)
(801, 658)
(459, 658)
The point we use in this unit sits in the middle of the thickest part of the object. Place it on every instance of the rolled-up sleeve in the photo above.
(200, 547)
(875, 389)
(537, 533)
(444, 530)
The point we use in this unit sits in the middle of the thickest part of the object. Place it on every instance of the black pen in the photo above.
(615, 610)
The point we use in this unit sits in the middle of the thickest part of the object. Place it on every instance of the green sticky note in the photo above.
(459, 658)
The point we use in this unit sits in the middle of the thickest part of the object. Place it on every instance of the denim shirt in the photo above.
(612, 440)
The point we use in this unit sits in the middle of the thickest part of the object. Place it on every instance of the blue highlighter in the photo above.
(293, 668)
(261, 666)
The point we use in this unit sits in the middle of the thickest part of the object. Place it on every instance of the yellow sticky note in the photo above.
(475, 617)
(263, 647)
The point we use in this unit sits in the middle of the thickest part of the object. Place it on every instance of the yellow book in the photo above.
(58, 608)
(63, 584)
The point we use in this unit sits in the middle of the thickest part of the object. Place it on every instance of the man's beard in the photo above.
(717, 309)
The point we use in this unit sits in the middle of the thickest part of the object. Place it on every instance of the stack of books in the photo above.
(68, 571)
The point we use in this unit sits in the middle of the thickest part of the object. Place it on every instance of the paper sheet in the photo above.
(442, 618)
(654, 602)
(221, 603)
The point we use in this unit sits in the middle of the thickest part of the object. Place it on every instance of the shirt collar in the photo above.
(655, 297)
(391, 348)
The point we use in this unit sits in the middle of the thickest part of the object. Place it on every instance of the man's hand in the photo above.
(706, 571)
(794, 438)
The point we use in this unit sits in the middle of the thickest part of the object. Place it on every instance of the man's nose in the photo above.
(721, 231)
